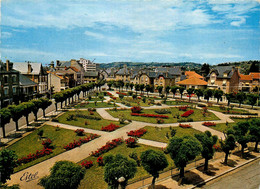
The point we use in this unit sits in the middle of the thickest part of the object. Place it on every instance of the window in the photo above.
(225, 74)
(212, 82)
(5, 79)
(224, 82)
(14, 90)
(14, 78)
(6, 91)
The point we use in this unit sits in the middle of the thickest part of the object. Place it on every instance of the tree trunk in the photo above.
(61, 105)
(256, 145)
(239, 104)
(226, 158)
(206, 165)
(181, 172)
(181, 96)
(35, 115)
(3, 128)
(189, 98)
(27, 121)
(242, 150)
(56, 107)
(16, 125)
(217, 100)
(153, 182)
(198, 98)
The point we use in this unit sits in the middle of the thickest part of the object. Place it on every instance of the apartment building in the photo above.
(88, 65)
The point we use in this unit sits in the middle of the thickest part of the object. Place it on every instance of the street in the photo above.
(246, 177)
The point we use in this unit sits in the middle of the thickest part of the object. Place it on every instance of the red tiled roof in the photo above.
(255, 75)
(245, 77)
(192, 81)
(193, 74)
(75, 69)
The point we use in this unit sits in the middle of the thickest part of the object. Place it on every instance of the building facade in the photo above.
(88, 65)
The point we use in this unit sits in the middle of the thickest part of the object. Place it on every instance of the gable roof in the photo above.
(23, 67)
(220, 70)
(192, 81)
(255, 75)
(25, 81)
(91, 74)
(193, 74)
(245, 77)
(170, 70)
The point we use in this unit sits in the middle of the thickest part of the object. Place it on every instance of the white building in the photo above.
(88, 65)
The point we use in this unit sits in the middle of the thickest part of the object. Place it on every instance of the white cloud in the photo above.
(94, 34)
(240, 21)
(5, 35)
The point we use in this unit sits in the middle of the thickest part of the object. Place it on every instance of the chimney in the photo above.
(7, 65)
(57, 63)
(73, 62)
(52, 64)
(29, 68)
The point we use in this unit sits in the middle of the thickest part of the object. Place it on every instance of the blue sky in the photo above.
(211, 31)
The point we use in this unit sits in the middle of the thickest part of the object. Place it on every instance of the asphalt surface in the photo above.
(246, 177)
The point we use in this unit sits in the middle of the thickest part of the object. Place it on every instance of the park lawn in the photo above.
(217, 108)
(31, 143)
(178, 103)
(196, 116)
(223, 127)
(92, 105)
(159, 133)
(133, 102)
(80, 122)
(94, 177)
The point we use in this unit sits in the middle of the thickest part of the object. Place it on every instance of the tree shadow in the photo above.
(15, 135)
(211, 170)
(190, 178)
(230, 163)
(246, 156)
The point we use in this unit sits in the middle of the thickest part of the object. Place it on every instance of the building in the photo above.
(255, 81)
(245, 83)
(173, 71)
(225, 78)
(69, 73)
(189, 74)
(88, 65)
(35, 72)
(9, 84)
(90, 77)
(123, 74)
(193, 82)
(57, 82)
(28, 88)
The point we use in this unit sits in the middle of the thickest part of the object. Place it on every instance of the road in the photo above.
(246, 177)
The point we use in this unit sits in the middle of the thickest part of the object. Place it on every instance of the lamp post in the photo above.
(120, 181)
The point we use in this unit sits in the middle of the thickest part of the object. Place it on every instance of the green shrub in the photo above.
(163, 111)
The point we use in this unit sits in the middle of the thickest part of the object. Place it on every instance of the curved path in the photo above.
(77, 154)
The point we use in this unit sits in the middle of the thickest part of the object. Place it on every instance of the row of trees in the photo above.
(16, 112)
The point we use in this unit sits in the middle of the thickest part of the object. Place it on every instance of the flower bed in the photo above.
(79, 142)
(100, 161)
(109, 145)
(30, 157)
(150, 115)
(187, 113)
(121, 93)
(46, 143)
(185, 125)
(110, 127)
(208, 124)
(86, 164)
(80, 132)
(131, 142)
(87, 116)
(137, 133)
(183, 108)
(136, 109)
(239, 113)
(109, 94)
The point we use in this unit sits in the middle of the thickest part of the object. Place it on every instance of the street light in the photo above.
(120, 181)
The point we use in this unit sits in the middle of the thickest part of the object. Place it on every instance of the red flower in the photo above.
(150, 115)
(80, 132)
(107, 147)
(79, 142)
(131, 142)
(187, 113)
(137, 133)
(209, 124)
(46, 143)
(110, 127)
(136, 109)
(183, 108)
(185, 125)
(87, 164)
(100, 161)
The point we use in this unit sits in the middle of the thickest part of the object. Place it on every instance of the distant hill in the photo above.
(245, 67)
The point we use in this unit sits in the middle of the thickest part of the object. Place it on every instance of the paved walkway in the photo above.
(77, 154)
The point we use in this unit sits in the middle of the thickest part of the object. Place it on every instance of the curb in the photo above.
(232, 169)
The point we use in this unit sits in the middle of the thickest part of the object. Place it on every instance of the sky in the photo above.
(211, 31)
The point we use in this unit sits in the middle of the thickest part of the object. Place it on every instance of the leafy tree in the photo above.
(5, 116)
(16, 113)
(218, 94)
(159, 88)
(153, 162)
(207, 141)
(116, 167)
(207, 94)
(229, 96)
(109, 84)
(241, 97)
(174, 90)
(28, 106)
(37, 105)
(64, 174)
(182, 150)
(127, 85)
(101, 97)
(131, 85)
(137, 88)
(241, 132)
(79, 88)
(252, 98)
(205, 69)
(167, 90)
(190, 91)
(181, 90)
(142, 88)
(7, 164)
(254, 131)
(228, 144)
(45, 104)
(58, 97)
(147, 88)
(199, 93)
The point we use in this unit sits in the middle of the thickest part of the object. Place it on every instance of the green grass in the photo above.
(223, 127)
(134, 102)
(92, 105)
(217, 108)
(80, 122)
(94, 176)
(196, 116)
(31, 143)
(159, 133)
(93, 99)
(177, 103)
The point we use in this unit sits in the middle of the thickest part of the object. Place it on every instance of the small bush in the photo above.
(130, 93)
(163, 111)
(40, 133)
(136, 109)
(159, 120)
(131, 142)
(173, 132)
(79, 132)
(135, 157)
(71, 117)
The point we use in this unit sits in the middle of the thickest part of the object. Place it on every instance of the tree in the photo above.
(252, 98)
(5, 116)
(228, 144)
(109, 84)
(37, 105)
(7, 164)
(45, 104)
(58, 97)
(142, 88)
(205, 69)
(137, 88)
(190, 91)
(131, 85)
(182, 150)
(207, 94)
(159, 88)
(64, 174)
(241, 97)
(229, 96)
(241, 132)
(127, 85)
(28, 106)
(16, 113)
(254, 131)
(116, 167)
(79, 88)
(218, 94)
(174, 90)
(147, 88)
(153, 162)
(167, 90)
(207, 141)
(181, 90)
(199, 93)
